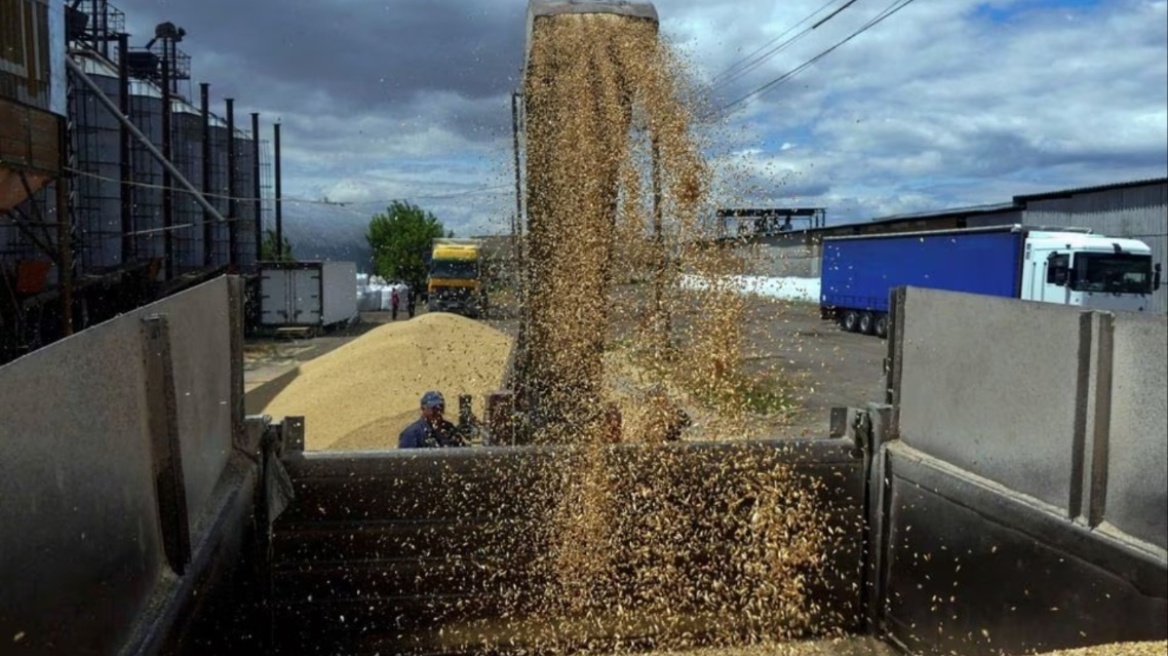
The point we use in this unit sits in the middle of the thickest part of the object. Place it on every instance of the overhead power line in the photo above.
(783, 46)
(769, 86)
(735, 69)
(478, 191)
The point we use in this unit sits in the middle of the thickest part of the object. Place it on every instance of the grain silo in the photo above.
(187, 155)
(245, 205)
(146, 173)
(97, 187)
(147, 198)
(218, 191)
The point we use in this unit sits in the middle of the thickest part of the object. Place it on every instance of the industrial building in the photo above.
(99, 215)
(1136, 209)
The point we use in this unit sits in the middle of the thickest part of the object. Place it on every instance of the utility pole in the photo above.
(279, 196)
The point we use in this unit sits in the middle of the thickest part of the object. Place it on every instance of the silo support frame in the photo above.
(137, 134)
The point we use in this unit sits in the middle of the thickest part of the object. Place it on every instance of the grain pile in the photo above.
(361, 395)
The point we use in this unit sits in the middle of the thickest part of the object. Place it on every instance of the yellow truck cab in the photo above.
(455, 281)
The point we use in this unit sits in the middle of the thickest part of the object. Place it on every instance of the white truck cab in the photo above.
(1088, 270)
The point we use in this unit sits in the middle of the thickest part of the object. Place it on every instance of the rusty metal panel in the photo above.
(27, 51)
(29, 138)
(30, 146)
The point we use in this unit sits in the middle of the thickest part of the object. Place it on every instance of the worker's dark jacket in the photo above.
(421, 434)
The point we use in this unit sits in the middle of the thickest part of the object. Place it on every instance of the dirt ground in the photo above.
(823, 366)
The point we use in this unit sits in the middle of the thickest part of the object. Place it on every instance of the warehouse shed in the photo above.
(1136, 210)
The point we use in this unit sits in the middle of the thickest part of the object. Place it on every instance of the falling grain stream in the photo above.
(605, 537)
(643, 547)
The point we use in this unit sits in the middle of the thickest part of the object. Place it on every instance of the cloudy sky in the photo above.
(945, 103)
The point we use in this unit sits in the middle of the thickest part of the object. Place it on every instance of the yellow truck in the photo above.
(455, 282)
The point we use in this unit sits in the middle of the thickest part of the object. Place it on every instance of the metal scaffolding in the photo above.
(147, 186)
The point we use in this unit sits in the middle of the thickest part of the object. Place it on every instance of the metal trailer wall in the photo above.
(146, 172)
(338, 294)
(97, 198)
(187, 155)
(425, 552)
(1023, 480)
(125, 479)
(1139, 212)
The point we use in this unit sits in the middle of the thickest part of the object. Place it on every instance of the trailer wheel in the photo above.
(867, 323)
(882, 326)
(850, 321)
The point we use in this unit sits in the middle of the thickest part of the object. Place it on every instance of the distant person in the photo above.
(430, 430)
(410, 300)
(393, 302)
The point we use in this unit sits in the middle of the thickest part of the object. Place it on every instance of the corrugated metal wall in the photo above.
(25, 71)
(1139, 212)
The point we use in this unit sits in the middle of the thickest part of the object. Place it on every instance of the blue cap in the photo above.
(433, 399)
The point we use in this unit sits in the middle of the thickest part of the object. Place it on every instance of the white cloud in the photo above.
(938, 106)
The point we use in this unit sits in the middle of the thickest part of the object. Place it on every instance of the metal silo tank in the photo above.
(245, 189)
(146, 172)
(221, 247)
(187, 155)
(97, 182)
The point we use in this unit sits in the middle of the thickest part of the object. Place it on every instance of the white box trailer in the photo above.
(317, 294)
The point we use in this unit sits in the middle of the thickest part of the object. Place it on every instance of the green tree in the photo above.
(401, 239)
(270, 253)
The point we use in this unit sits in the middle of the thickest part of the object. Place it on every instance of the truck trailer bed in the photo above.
(964, 521)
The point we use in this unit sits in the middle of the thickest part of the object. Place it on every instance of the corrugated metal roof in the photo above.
(973, 210)
(1017, 204)
(938, 214)
(1087, 190)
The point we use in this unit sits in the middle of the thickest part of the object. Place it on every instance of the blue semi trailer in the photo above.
(1053, 265)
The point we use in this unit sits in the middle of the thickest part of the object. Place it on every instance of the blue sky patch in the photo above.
(998, 13)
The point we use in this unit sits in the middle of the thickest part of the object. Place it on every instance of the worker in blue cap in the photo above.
(430, 430)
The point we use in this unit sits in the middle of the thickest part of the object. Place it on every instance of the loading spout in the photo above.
(543, 9)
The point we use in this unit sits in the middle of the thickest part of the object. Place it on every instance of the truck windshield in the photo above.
(1116, 273)
(457, 269)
